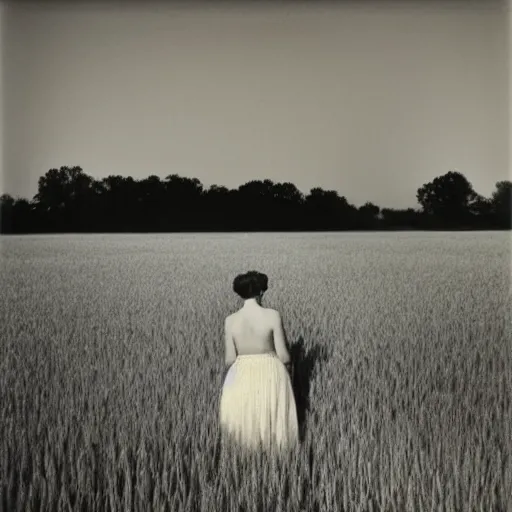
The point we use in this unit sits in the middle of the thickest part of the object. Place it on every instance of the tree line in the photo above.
(70, 201)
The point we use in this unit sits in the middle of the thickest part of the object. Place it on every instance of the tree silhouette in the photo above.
(395, 219)
(64, 199)
(217, 201)
(254, 203)
(152, 202)
(16, 215)
(119, 203)
(481, 211)
(326, 210)
(183, 203)
(501, 204)
(6, 213)
(287, 207)
(68, 200)
(368, 216)
(448, 198)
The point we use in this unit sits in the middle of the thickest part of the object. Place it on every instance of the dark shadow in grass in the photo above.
(304, 363)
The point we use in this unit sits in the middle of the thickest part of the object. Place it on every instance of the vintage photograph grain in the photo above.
(255, 256)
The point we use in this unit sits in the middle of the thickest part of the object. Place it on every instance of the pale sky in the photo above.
(370, 99)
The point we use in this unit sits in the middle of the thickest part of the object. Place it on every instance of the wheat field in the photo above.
(111, 366)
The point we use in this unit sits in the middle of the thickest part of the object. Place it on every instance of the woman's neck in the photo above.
(256, 301)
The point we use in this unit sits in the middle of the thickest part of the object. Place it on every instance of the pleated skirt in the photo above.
(257, 404)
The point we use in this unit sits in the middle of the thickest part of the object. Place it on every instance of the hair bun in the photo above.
(251, 284)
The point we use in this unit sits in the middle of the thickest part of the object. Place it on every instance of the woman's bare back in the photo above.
(257, 330)
(252, 331)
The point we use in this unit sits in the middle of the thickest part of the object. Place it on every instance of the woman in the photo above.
(257, 403)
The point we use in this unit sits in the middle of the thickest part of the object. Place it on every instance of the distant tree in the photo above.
(288, 204)
(17, 215)
(6, 213)
(151, 205)
(326, 210)
(64, 198)
(118, 207)
(368, 215)
(480, 206)
(448, 198)
(501, 204)
(217, 208)
(255, 204)
(183, 203)
(51, 198)
(81, 200)
(481, 212)
(180, 185)
(396, 219)
(287, 192)
(23, 216)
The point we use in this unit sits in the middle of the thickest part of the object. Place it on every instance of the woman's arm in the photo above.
(280, 341)
(229, 345)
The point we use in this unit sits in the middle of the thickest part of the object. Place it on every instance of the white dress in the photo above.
(257, 405)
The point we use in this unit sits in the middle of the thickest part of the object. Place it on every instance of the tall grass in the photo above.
(111, 369)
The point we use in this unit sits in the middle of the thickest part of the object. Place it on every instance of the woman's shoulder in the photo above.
(272, 312)
(231, 316)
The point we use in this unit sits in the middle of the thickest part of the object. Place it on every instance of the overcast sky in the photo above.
(372, 100)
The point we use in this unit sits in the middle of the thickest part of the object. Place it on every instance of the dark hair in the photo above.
(250, 284)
